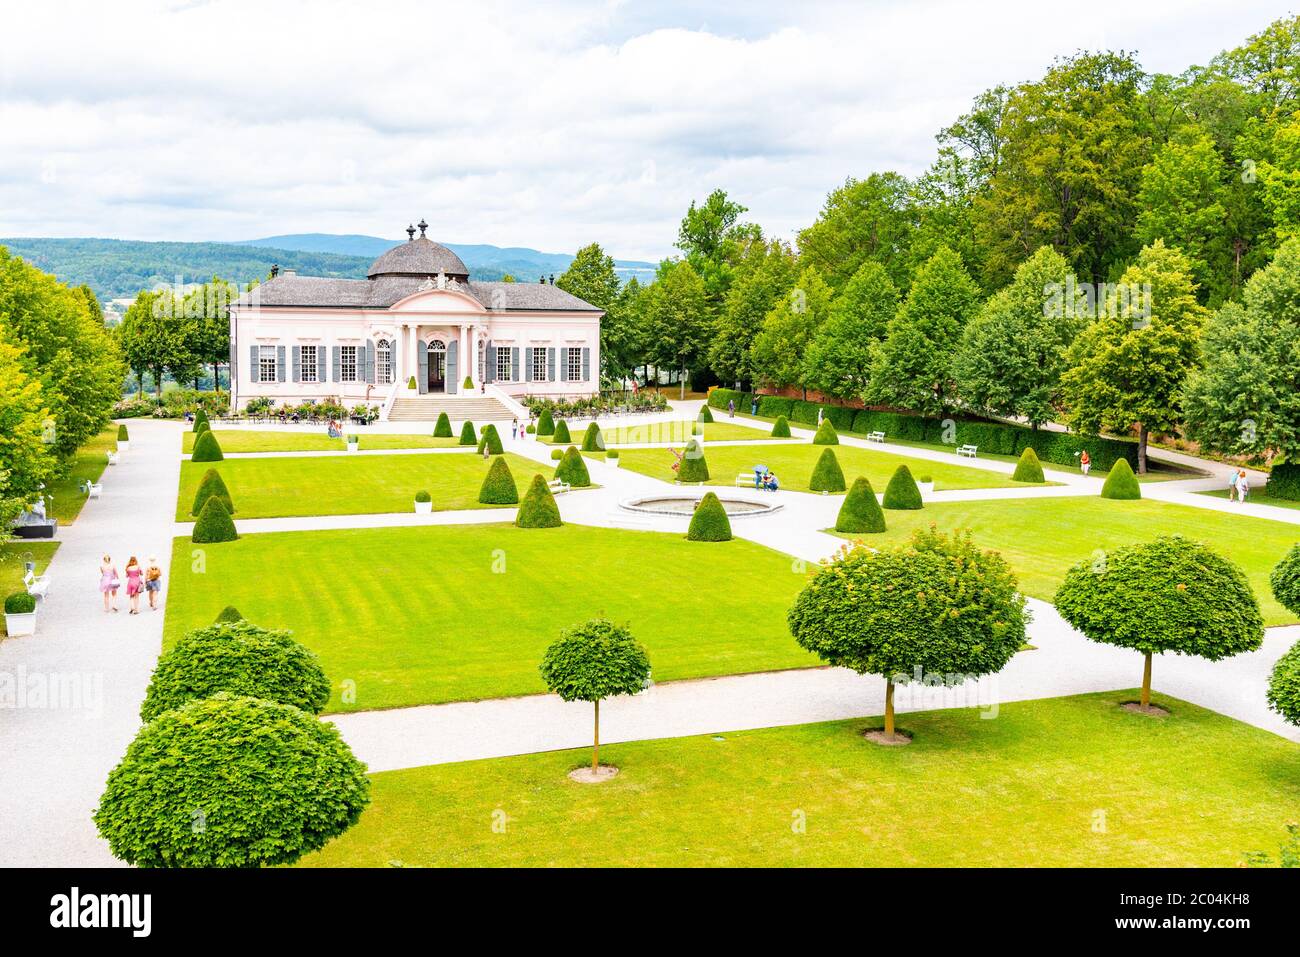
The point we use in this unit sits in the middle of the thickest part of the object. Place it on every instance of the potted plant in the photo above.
(423, 503)
(112, 458)
(411, 386)
(123, 438)
(20, 614)
(926, 484)
(611, 458)
(353, 442)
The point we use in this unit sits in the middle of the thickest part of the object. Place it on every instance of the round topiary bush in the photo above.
(229, 613)
(860, 512)
(530, 429)
(20, 603)
(240, 658)
(538, 509)
(709, 523)
(826, 434)
(212, 486)
(1285, 580)
(231, 782)
(206, 448)
(1169, 594)
(1121, 483)
(214, 524)
(557, 454)
(491, 441)
(561, 434)
(545, 423)
(467, 434)
(901, 492)
(781, 428)
(200, 419)
(498, 486)
(442, 430)
(705, 414)
(1028, 469)
(423, 496)
(593, 441)
(1284, 685)
(573, 469)
(693, 467)
(827, 475)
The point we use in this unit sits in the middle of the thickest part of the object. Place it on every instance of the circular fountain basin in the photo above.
(683, 505)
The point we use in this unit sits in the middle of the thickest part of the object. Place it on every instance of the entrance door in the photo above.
(437, 366)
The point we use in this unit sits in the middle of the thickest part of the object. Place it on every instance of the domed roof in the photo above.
(419, 257)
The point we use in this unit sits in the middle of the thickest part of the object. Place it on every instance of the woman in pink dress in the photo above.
(108, 583)
(134, 584)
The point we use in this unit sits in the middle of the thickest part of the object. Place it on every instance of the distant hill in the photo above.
(119, 269)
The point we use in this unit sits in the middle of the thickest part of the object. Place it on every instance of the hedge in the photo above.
(693, 467)
(1121, 483)
(499, 485)
(573, 469)
(538, 509)
(467, 434)
(860, 511)
(771, 406)
(805, 413)
(212, 485)
(901, 493)
(443, 429)
(826, 434)
(827, 475)
(593, 441)
(206, 448)
(1284, 481)
(709, 523)
(545, 424)
(1028, 469)
(561, 435)
(705, 415)
(214, 524)
(780, 428)
(491, 440)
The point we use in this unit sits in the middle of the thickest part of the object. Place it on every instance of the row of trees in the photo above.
(166, 334)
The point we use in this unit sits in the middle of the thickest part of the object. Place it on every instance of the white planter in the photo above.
(612, 463)
(353, 446)
(112, 458)
(927, 489)
(423, 508)
(124, 446)
(18, 625)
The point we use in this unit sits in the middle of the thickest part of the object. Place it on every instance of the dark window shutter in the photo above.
(514, 364)
(297, 363)
(320, 363)
(279, 363)
(491, 355)
(422, 381)
(452, 380)
(370, 361)
(550, 364)
(586, 365)
(254, 368)
(336, 364)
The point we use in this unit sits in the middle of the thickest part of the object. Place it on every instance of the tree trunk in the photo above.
(682, 394)
(595, 748)
(1142, 449)
(889, 710)
(1146, 682)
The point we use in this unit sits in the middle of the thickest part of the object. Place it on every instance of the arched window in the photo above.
(384, 362)
(437, 345)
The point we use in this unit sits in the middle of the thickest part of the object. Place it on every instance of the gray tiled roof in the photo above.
(286, 290)
(418, 257)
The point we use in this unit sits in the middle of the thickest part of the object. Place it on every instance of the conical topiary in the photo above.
(443, 429)
(827, 475)
(209, 486)
(545, 424)
(561, 434)
(491, 440)
(499, 485)
(206, 448)
(538, 509)
(573, 469)
(467, 434)
(200, 428)
(781, 428)
(214, 524)
(593, 441)
(122, 434)
(710, 522)
(826, 434)
(200, 418)
(1121, 483)
(1028, 469)
(901, 492)
(229, 613)
(693, 467)
(860, 511)
(706, 415)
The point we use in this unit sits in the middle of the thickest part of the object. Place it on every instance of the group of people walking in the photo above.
(1238, 485)
(139, 578)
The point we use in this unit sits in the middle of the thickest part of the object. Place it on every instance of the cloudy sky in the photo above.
(542, 124)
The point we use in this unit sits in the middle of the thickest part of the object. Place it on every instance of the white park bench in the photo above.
(557, 486)
(876, 437)
(970, 451)
(38, 586)
(746, 478)
(92, 489)
(112, 458)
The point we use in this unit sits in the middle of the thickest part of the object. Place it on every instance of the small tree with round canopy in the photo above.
(1169, 594)
(936, 608)
(1284, 682)
(593, 661)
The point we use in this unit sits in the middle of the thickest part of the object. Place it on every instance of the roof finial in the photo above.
(410, 234)
(423, 226)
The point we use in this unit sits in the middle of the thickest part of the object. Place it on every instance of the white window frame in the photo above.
(308, 367)
(573, 364)
(504, 370)
(384, 368)
(267, 364)
(538, 372)
(347, 363)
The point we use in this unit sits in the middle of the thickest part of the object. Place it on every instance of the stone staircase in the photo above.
(427, 408)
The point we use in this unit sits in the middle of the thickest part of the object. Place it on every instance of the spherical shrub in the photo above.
(200, 419)
(240, 658)
(1284, 685)
(20, 603)
(557, 454)
(827, 475)
(693, 467)
(1285, 580)
(593, 441)
(467, 434)
(545, 423)
(826, 434)
(490, 440)
(901, 492)
(1121, 483)
(705, 415)
(561, 434)
(860, 511)
(267, 782)
(442, 430)
(709, 523)
(594, 661)
(573, 469)
(206, 448)
(538, 509)
(1028, 469)
(229, 613)
(781, 428)
(210, 486)
(423, 496)
(499, 485)
(530, 429)
(214, 524)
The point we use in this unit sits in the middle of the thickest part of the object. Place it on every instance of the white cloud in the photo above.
(510, 123)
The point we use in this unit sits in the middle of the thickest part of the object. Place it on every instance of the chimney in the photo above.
(552, 279)
(275, 270)
(290, 273)
(542, 280)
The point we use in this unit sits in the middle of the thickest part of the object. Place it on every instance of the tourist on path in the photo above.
(514, 430)
(134, 584)
(731, 408)
(1085, 462)
(153, 582)
(1243, 486)
(108, 583)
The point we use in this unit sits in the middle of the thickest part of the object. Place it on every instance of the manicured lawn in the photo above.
(1042, 538)
(1256, 497)
(793, 465)
(678, 431)
(350, 485)
(422, 615)
(1064, 782)
(239, 440)
(88, 465)
(12, 556)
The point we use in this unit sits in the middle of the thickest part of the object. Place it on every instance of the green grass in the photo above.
(1042, 538)
(1256, 497)
(1064, 782)
(793, 465)
(238, 440)
(429, 614)
(88, 465)
(350, 485)
(12, 556)
(677, 431)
